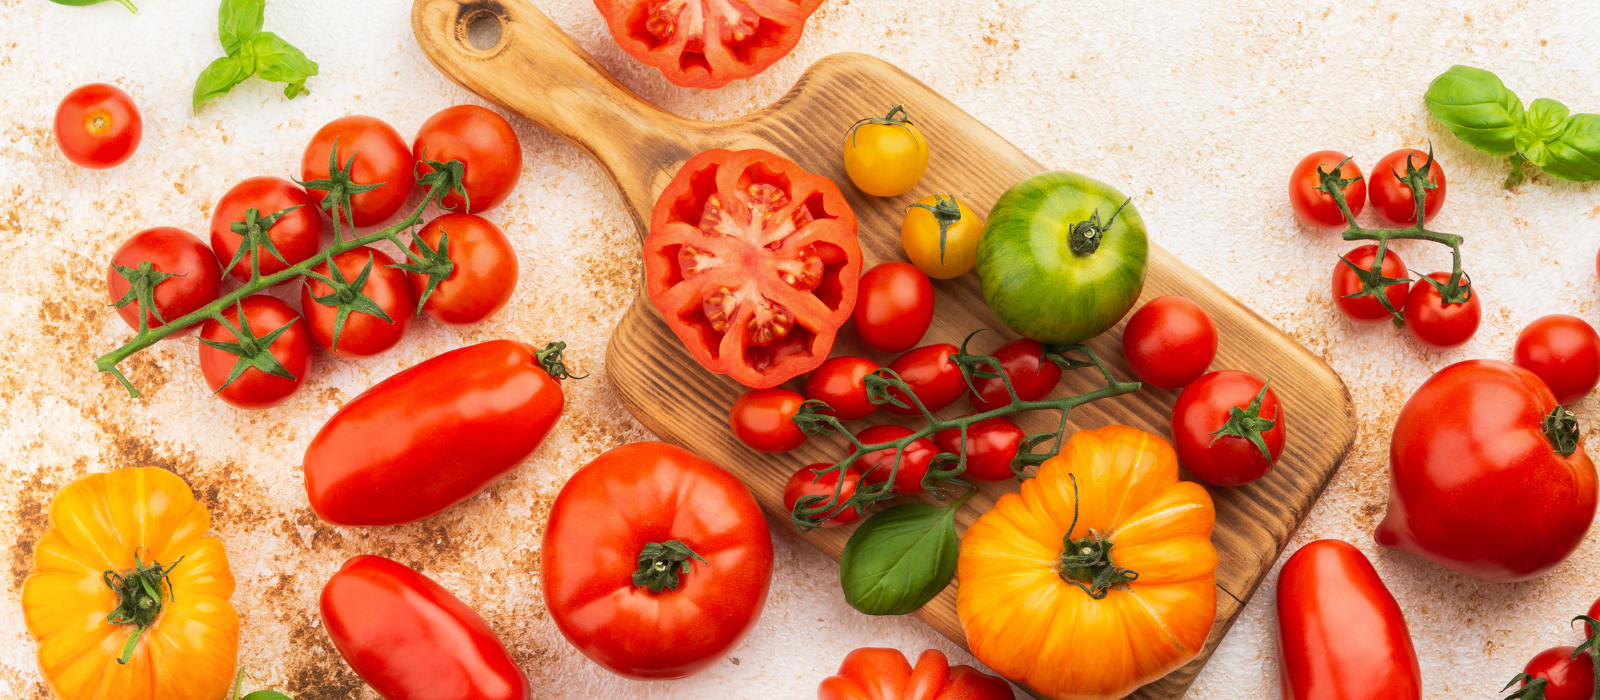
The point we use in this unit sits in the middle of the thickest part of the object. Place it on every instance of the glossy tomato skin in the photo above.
(874, 467)
(942, 257)
(97, 126)
(1474, 484)
(839, 383)
(991, 445)
(298, 235)
(485, 274)
(1169, 342)
(482, 140)
(1202, 409)
(894, 307)
(1316, 208)
(1340, 633)
(256, 389)
(381, 155)
(811, 481)
(884, 674)
(934, 379)
(1564, 351)
(174, 251)
(364, 335)
(1436, 324)
(1393, 200)
(763, 419)
(706, 45)
(653, 492)
(1367, 309)
(1565, 678)
(1032, 376)
(450, 426)
(887, 160)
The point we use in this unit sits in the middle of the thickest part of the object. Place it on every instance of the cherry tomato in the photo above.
(1392, 199)
(484, 274)
(894, 306)
(874, 467)
(196, 279)
(380, 155)
(484, 142)
(763, 419)
(884, 674)
(839, 383)
(934, 379)
(97, 126)
(1436, 324)
(1565, 678)
(1169, 342)
(1340, 633)
(287, 356)
(1564, 351)
(1032, 376)
(812, 481)
(1229, 458)
(886, 157)
(1316, 208)
(297, 234)
(945, 254)
(363, 334)
(991, 445)
(1367, 308)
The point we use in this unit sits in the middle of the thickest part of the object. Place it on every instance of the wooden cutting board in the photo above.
(533, 69)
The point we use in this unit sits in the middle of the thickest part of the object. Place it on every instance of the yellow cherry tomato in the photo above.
(940, 236)
(886, 157)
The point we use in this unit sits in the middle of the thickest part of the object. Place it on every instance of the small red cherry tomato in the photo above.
(884, 674)
(380, 155)
(838, 382)
(1392, 199)
(1219, 447)
(1340, 633)
(874, 467)
(1169, 342)
(484, 142)
(194, 282)
(1564, 351)
(894, 306)
(934, 379)
(1032, 376)
(812, 481)
(265, 363)
(297, 234)
(763, 419)
(1436, 324)
(1316, 208)
(991, 445)
(97, 126)
(1367, 308)
(362, 334)
(483, 274)
(1561, 676)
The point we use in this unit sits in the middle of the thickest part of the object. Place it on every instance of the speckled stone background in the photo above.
(1203, 106)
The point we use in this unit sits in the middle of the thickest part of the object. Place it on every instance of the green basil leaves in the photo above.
(85, 3)
(900, 558)
(251, 52)
(1481, 111)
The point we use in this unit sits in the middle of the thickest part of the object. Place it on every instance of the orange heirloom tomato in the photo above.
(113, 539)
(1099, 577)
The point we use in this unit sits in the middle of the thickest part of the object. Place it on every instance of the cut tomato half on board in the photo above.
(707, 43)
(754, 264)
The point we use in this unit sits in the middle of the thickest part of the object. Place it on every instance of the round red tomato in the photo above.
(1564, 351)
(1219, 447)
(763, 419)
(1392, 199)
(1477, 482)
(297, 234)
(483, 271)
(360, 333)
(706, 44)
(194, 281)
(875, 467)
(753, 262)
(380, 156)
(839, 383)
(894, 307)
(991, 445)
(1560, 676)
(1023, 362)
(97, 126)
(934, 379)
(1436, 324)
(265, 362)
(410, 639)
(1169, 342)
(812, 481)
(1340, 633)
(484, 142)
(656, 563)
(1316, 208)
(884, 674)
(1346, 282)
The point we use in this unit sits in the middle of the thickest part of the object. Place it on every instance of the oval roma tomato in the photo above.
(379, 155)
(934, 379)
(1062, 257)
(1340, 633)
(1436, 324)
(449, 427)
(1564, 351)
(656, 563)
(839, 383)
(894, 307)
(484, 142)
(1393, 200)
(258, 361)
(1023, 362)
(296, 235)
(706, 44)
(97, 126)
(410, 639)
(1169, 342)
(811, 481)
(887, 157)
(185, 275)
(342, 320)
(1316, 208)
(884, 674)
(763, 419)
(875, 467)
(1478, 482)
(753, 262)
(940, 236)
(1223, 446)
(991, 445)
(115, 537)
(483, 269)
(1138, 561)
(1558, 676)
(1347, 282)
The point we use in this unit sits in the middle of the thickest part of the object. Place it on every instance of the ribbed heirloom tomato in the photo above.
(485, 144)
(706, 43)
(1340, 633)
(296, 233)
(342, 320)
(186, 274)
(884, 674)
(379, 155)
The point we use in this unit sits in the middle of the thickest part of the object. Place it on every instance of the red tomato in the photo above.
(1340, 632)
(275, 359)
(1032, 376)
(1316, 208)
(706, 44)
(1560, 676)
(410, 639)
(839, 382)
(363, 334)
(763, 419)
(449, 427)
(97, 126)
(1367, 308)
(810, 481)
(1436, 324)
(381, 156)
(753, 262)
(894, 307)
(484, 273)
(1213, 443)
(874, 467)
(484, 142)
(991, 445)
(700, 591)
(297, 235)
(1564, 351)
(196, 279)
(934, 379)
(1169, 342)
(884, 674)
(1476, 485)
(1393, 199)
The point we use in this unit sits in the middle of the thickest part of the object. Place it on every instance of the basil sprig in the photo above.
(251, 52)
(900, 558)
(1481, 111)
(85, 3)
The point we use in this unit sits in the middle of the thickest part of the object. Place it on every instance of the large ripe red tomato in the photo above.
(97, 126)
(1316, 208)
(991, 445)
(754, 263)
(1393, 200)
(363, 334)
(263, 365)
(874, 467)
(839, 383)
(1169, 342)
(410, 639)
(763, 419)
(1023, 362)
(894, 307)
(810, 481)
(1340, 633)
(1217, 446)
(934, 379)
(380, 155)
(297, 235)
(1436, 324)
(1477, 484)
(706, 43)
(195, 280)
(434, 435)
(656, 563)
(484, 273)
(1367, 308)
(1559, 675)
(1564, 351)
(484, 142)
(884, 674)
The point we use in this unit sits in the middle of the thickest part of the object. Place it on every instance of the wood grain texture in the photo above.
(538, 72)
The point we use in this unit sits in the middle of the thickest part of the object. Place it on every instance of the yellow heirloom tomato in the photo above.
(940, 236)
(128, 599)
(886, 157)
(1098, 577)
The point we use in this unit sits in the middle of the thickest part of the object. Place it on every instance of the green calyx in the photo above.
(903, 121)
(139, 598)
(142, 283)
(1086, 562)
(255, 231)
(1458, 290)
(946, 211)
(1085, 236)
(451, 177)
(1373, 283)
(347, 296)
(339, 184)
(1534, 690)
(1561, 429)
(1334, 181)
(252, 351)
(554, 365)
(1591, 647)
(662, 565)
(432, 262)
(1247, 423)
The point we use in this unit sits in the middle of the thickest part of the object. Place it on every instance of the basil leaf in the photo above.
(266, 695)
(1543, 122)
(220, 77)
(1575, 154)
(1475, 106)
(278, 62)
(237, 21)
(85, 3)
(900, 558)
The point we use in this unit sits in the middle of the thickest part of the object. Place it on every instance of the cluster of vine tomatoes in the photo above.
(1563, 672)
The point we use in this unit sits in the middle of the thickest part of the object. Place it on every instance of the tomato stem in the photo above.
(903, 121)
(139, 598)
(1561, 429)
(1085, 236)
(662, 564)
(1590, 646)
(1086, 562)
(1247, 423)
(945, 211)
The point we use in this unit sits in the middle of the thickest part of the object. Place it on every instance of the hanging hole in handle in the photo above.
(482, 27)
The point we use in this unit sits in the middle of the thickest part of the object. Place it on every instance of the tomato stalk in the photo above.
(139, 598)
(1247, 423)
(662, 564)
(1561, 429)
(1086, 561)
(1590, 646)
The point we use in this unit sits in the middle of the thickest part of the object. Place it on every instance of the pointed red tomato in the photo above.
(707, 43)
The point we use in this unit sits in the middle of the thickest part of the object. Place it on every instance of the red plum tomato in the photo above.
(875, 466)
(380, 156)
(812, 481)
(97, 126)
(297, 234)
(1564, 351)
(362, 334)
(1340, 633)
(894, 306)
(763, 419)
(1367, 308)
(290, 352)
(196, 278)
(1392, 198)
(1169, 342)
(1229, 458)
(839, 383)
(484, 142)
(1316, 208)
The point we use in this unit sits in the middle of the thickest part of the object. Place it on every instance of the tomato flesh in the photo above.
(1564, 351)
(706, 43)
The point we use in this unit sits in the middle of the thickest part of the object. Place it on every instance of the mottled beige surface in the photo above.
(1202, 108)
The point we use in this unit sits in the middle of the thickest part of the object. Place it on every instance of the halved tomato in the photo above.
(754, 264)
(707, 43)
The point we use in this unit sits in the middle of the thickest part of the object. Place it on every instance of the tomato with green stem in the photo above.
(839, 383)
(1440, 315)
(467, 268)
(373, 158)
(991, 446)
(875, 467)
(706, 43)
(1312, 205)
(1228, 428)
(97, 126)
(1557, 673)
(813, 481)
(284, 230)
(1392, 197)
(1025, 362)
(165, 272)
(934, 379)
(1169, 342)
(940, 236)
(885, 156)
(359, 307)
(257, 355)
(1564, 351)
(484, 143)
(1354, 282)
(894, 306)
(763, 419)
